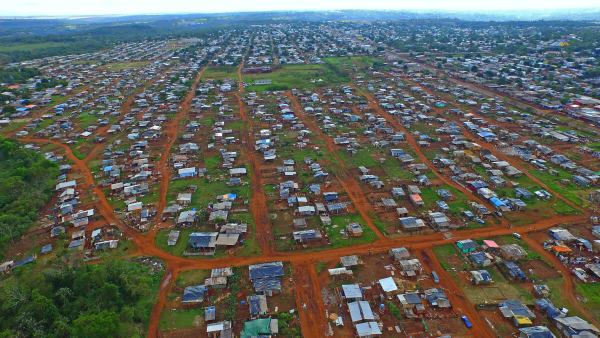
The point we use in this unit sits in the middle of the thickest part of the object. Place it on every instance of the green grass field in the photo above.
(220, 73)
(27, 47)
(591, 292)
(297, 77)
(119, 66)
(172, 319)
(336, 238)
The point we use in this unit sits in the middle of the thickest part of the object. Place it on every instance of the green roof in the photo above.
(257, 327)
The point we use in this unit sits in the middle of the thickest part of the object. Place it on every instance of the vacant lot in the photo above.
(297, 77)
(119, 66)
(220, 73)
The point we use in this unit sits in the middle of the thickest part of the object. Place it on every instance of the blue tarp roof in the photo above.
(266, 276)
(194, 293)
(497, 202)
(266, 270)
(200, 239)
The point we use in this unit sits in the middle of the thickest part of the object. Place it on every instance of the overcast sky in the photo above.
(104, 7)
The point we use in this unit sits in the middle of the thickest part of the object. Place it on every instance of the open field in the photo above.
(298, 77)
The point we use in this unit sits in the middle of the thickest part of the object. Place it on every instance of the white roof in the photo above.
(214, 327)
(388, 284)
(367, 329)
(134, 206)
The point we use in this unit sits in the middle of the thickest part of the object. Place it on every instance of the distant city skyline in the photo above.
(132, 7)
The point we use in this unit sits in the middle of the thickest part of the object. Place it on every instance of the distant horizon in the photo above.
(118, 8)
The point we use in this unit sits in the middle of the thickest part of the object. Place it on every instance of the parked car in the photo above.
(436, 278)
(467, 322)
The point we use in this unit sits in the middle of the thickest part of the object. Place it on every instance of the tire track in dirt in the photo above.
(309, 301)
(166, 285)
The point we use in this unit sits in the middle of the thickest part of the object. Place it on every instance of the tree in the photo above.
(96, 325)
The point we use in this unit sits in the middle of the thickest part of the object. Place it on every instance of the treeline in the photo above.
(92, 301)
(17, 74)
(90, 38)
(27, 182)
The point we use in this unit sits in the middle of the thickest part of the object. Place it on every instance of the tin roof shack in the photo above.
(266, 277)
(520, 314)
(536, 332)
(352, 292)
(262, 327)
(194, 294)
(257, 305)
(202, 243)
(481, 277)
(513, 252)
(574, 326)
(512, 271)
(410, 267)
(466, 246)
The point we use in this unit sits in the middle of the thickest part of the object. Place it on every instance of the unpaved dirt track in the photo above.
(568, 290)
(374, 104)
(258, 200)
(515, 101)
(515, 162)
(175, 264)
(457, 298)
(309, 302)
(352, 188)
(171, 129)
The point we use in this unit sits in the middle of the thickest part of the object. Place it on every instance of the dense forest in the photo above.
(17, 75)
(27, 180)
(103, 300)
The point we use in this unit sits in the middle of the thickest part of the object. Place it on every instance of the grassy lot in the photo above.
(570, 191)
(220, 73)
(298, 76)
(339, 222)
(57, 99)
(363, 157)
(591, 292)
(171, 319)
(86, 119)
(393, 169)
(355, 64)
(206, 191)
(119, 66)
(28, 47)
(501, 289)
(192, 277)
(594, 145)
(177, 249)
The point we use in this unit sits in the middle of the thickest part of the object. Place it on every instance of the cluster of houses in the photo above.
(72, 219)
(578, 253)
(265, 281)
(365, 303)
(507, 257)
